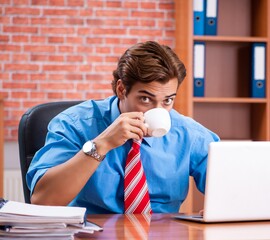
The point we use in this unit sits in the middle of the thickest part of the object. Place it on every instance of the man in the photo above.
(147, 76)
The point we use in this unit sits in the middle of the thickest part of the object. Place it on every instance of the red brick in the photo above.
(77, 58)
(39, 57)
(147, 23)
(20, 58)
(20, 77)
(20, 38)
(95, 40)
(130, 22)
(147, 14)
(56, 30)
(4, 57)
(17, 29)
(86, 12)
(16, 95)
(92, 58)
(110, 13)
(56, 39)
(59, 67)
(110, 31)
(21, 20)
(148, 5)
(166, 6)
(38, 39)
(132, 5)
(38, 95)
(115, 4)
(104, 68)
(55, 58)
(74, 40)
(66, 49)
(21, 67)
(41, 48)
(20, 2)
(11, 104)
(56, 77)
(5, 20)
(146, 32)
(57, 86)
(22, 11)
(103, 50)
(99, 86)
(73, 96)
(60, 12)
(74, 77)
(56, 2)
(75, 3)
(55, 95)
(4, 38)
(92, 95)
(95, 3)
(38, 77)
(39, 20)
(75, 21)
(10, 48)
(19, 85)
(57, 21)
(40, 2)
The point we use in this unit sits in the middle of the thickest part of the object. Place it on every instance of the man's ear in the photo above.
(120, 89)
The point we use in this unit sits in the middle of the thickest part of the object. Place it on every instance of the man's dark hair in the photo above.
(147, 62)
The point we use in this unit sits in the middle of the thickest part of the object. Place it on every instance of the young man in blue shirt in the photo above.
(147, 76)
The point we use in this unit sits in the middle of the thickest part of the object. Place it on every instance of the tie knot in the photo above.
(136, 143)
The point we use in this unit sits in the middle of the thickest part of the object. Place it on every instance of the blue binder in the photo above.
(258, 72)
(211, 17)
(199, 69)
(198, 17)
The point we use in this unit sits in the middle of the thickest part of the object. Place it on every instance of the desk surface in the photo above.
(164, 226)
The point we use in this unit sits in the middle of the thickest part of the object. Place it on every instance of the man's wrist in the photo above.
(90, 149)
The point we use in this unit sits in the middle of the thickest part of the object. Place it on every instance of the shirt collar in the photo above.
(115, 113)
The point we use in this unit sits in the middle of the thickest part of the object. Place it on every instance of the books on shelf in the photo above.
(37, 221)
(205, 17)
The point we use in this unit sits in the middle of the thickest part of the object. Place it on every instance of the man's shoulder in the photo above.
(88, 109)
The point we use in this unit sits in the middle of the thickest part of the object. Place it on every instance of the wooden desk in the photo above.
(164, 226)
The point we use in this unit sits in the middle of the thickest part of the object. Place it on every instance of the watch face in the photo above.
(87, 147)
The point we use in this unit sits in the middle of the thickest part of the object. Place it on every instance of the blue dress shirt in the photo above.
(167, 161)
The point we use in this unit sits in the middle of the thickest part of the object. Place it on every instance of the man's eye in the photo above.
(168, 101)
(145, 99)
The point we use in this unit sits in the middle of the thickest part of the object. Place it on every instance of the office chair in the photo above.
(32, 133)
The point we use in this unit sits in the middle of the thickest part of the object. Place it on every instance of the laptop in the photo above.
(237, 183)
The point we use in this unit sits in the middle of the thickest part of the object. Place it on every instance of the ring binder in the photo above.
(258, 70)
(198, 17)
(199, 69)
(211, 17)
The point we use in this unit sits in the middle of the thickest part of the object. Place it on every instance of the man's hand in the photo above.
(127, 126)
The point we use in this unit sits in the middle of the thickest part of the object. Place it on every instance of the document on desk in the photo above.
(12, 211)
(30, 220)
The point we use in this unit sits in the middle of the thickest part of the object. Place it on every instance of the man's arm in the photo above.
(61, 183)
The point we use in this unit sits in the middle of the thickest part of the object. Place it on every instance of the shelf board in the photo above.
(229, 39)
(228, 100)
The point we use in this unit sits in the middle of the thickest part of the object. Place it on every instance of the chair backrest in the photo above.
(32, 133)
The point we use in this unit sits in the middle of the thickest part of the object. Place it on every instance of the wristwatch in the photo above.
(89, 148)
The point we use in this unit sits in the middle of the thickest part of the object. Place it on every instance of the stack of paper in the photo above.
(35, 221)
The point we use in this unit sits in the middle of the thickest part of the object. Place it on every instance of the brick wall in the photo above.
(67, 49)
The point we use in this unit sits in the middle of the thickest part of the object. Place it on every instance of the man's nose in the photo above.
(158, 105)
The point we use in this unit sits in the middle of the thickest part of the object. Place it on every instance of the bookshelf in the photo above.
(226, 107)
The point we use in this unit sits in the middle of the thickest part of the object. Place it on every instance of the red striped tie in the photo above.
(137, 198)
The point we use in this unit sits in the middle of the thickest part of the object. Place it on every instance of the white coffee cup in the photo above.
(158, 122)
